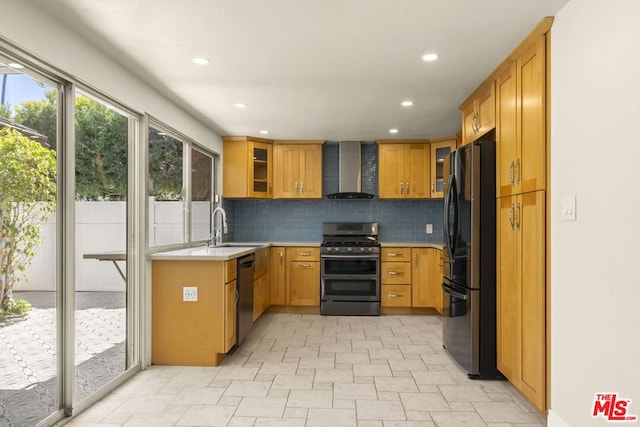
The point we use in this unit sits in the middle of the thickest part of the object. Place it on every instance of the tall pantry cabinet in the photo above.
(521, 111)
(521, 152)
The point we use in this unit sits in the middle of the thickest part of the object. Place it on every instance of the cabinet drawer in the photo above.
(396, 296)
(396, 273)
(395, 254)
(230, 270)
(304, 254)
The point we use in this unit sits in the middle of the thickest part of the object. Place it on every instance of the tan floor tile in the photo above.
(470, 419)
(354, 391)
(292, 382)
(463, 393)
(395, 384)
(407, 365)
(424, 402)
(372, 370)
(379, 410)
(310, 399)
(248, 388)
(334, 376)
(198, 396)
(261, 407)
(278, 368)
(331, 417)
(236, 373)
(502, 412)
(207, 415)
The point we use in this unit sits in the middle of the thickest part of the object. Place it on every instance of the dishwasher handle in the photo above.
(246, 263)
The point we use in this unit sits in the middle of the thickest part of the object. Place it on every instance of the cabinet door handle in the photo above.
(511, 220)
(270, 187)
(392, 273)
(401, 187)
(304, 254)
(301, 187)
(295, 187)
(394, 254)
(407, 187)
(511, 173)
(415, 259)
(304, 265)
(281, 257)
(433, 187)
(517, 168)
(518, 212)
(394, 295)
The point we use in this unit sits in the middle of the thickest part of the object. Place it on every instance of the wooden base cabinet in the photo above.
(521, 295)
(277, 294)
(426, 278)
(196, 333)
(303, 276)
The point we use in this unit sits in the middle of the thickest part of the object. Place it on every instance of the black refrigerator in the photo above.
(469, 274)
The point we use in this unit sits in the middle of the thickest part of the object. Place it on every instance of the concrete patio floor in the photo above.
(28, 353)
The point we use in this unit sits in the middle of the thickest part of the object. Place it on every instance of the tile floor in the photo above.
(312, 370)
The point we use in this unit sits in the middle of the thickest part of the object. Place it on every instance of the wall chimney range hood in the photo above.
(350, 172)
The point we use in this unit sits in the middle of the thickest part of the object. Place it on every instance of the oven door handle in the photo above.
(350, 256)
(448, 289)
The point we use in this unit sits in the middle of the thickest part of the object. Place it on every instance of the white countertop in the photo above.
(204, 253)
(411, 245)
(233, 250)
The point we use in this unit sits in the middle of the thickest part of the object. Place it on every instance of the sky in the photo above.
(18, 88)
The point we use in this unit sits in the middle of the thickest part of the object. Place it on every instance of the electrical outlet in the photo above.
(429, 228)
(189, 293)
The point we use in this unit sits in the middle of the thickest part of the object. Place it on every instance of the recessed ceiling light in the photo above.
(240, 105)
(430, 57)
(264, 131)
(393, 130)
(407, 103)
(199, 60)
(15, 65)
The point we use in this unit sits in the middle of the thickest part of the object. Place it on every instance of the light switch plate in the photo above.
(190, 293)
(429, 228)
(569, 207)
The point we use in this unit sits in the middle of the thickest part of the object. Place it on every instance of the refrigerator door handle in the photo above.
(447, 197)
(450, 291)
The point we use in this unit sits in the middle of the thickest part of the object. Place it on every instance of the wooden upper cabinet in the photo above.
(404, 170)
(521, 124)
(298, 170)
(478, 113)
(247, 167)
(439, 150)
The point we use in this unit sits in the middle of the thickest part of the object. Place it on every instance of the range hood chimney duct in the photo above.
(350, 172)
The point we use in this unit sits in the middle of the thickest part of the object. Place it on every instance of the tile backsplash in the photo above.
(301, 220)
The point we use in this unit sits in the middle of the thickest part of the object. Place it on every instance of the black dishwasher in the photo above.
(244, 322)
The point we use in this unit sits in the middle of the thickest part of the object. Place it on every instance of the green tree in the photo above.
(165, 166)
(27, 197)
(41, 116)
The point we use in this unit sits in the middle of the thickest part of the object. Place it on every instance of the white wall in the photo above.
(595, 154)
(29, 27)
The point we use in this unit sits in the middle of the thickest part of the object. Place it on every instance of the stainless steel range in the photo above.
(350, 269)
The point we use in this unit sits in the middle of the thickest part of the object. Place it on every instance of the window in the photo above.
(178, 167)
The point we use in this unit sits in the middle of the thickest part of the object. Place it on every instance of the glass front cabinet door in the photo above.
(439, 150)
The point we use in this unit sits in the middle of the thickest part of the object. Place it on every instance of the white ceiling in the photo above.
(311, 69)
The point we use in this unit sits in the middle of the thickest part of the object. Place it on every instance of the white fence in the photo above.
(101, 227)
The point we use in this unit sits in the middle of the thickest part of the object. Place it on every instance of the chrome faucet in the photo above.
(215, 237)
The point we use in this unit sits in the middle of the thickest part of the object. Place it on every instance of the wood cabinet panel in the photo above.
(231, 304)
(304, 283)
(247, 167)
(298, 171)
(439, 151)
(521, 124)
(277, 276)
(395, 254)
(395, 296)
(478, 113)
(521, 293)
(423, 277)
(190, 333)
(404, 170)
(395, 273)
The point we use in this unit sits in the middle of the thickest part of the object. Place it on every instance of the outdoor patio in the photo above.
(28, 364)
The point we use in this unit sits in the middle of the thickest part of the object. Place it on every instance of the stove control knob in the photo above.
(328, 249)
(370, 249)
(349, 249)
(337, 249)
(362, 249)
